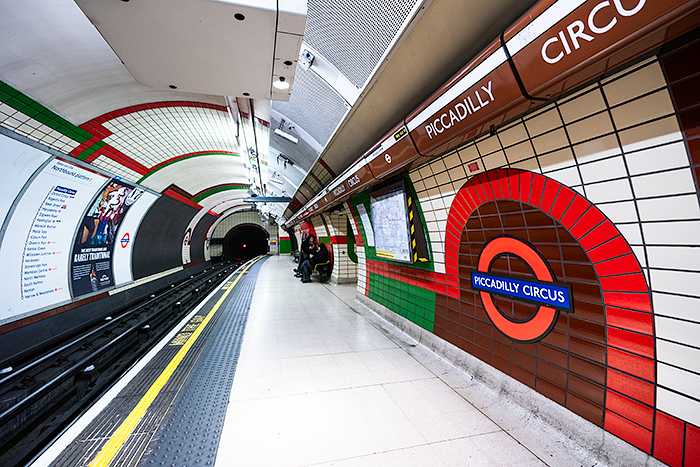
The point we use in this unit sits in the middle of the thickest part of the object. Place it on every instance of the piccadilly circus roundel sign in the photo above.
(549, 296)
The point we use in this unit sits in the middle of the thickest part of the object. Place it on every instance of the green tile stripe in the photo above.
(182, 158)
(326, 240)
(85, 154)
(219, 189)
(285, 246)
(28, 106)
(413, 303)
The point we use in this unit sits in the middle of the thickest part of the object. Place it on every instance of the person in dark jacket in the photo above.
(319, 257)
(308, 246)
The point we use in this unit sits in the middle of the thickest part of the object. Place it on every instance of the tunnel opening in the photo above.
(245, 241)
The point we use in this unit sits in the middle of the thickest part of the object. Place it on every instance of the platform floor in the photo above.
(319, 383)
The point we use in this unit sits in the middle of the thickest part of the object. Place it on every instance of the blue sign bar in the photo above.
(544, 293)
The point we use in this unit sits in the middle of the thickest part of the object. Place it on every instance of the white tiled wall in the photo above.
(344, 270)
(618, 143)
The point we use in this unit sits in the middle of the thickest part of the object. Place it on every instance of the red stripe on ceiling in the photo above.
(120, 157)
(181, 198)
(96, 128)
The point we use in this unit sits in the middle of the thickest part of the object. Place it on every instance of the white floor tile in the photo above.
(320, 384)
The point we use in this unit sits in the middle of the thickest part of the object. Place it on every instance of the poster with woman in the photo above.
(91, 265)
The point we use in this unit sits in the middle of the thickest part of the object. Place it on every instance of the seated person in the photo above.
(308, 246)
(319, 257)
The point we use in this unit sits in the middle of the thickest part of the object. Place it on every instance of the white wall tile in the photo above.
(513, 135)
(468, 153)
(488, 145)
(678, 257)
(669, 156)
(437, 166)
(557, 159)
(635, 84)
(649, 134)
(675, 207)
(631, 232)
(639, 252)
(678, 355)
(664, 183)
(599, 148)
(438, 203)
(443, 178)
(614, 190)
(591, 127)
(457, 173)
(680, 282)
(672, 233)
(519, 152)
(425, 172)
(543, 122)
(682, 381)
(433, 192)
(675, 330)
(678, 405)
(495, 160)
(530, 165)
(582, 106)
(623, 211)
(430, 182)
(452, 160)
(606, 169)
(676, 306)
(568, 177)
(643, 109)
(550, 141)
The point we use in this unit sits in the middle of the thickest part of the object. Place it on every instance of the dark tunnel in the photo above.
(245, 241)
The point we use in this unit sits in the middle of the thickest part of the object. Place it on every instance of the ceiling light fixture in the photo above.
(286, 136)
(281, 83)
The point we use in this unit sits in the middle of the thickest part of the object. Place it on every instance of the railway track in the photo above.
(46, 388)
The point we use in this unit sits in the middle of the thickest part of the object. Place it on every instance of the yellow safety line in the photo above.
(127, 427)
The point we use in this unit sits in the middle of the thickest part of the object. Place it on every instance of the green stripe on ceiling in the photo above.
(28, 106)
(413, 303)
(88, 152)
(219, 189)
(175, 160)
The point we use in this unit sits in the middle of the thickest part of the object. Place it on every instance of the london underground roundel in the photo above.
(542, 291)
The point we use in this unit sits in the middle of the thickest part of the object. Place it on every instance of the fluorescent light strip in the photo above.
(542, 24)
(484, 68)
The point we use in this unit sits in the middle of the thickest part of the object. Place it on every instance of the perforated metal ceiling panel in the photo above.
(354, 34)
(314, 106)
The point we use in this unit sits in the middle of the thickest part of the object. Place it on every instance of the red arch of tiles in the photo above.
(631, 377)
(96, 128)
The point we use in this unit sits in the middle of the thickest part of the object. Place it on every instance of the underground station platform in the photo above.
(268, 371)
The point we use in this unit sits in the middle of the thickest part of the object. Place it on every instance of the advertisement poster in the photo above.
(36, 246)
(91, 260)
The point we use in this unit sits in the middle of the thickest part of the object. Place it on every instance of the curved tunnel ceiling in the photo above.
(91, 107)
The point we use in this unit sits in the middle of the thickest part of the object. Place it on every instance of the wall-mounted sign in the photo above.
(542, 291)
